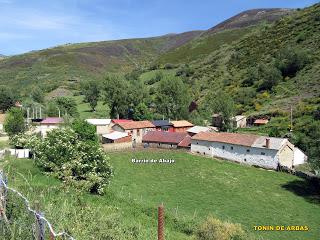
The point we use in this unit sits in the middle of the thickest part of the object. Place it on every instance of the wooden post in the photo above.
(40, 226)
(161, 222)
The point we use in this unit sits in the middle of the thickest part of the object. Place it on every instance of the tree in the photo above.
(222, 103)
(269, 76)
(7, 99)
(84, 130)
(290, 60)
(67, 106)
(82, 164)
(141, 112)
(91, 94)
(37, 95)
(115, 94)
(14, 123)
(173, 98)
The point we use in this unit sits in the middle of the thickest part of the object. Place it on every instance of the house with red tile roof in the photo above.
(262, 151)
(137, 129)
(48, 124)
(161, 139)
(181, 125)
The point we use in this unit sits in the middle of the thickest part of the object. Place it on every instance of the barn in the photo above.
(160, 139)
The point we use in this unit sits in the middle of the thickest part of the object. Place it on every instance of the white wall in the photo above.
(20, 153)
(299, 157)
(238, 153)
(134, 132)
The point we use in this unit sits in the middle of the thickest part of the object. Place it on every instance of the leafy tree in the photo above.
(222, 103)
(82, 164)
(91, 93)
(67, 106)
(37, 95)
(269, 76)
(84, 130)
(52, 109)
(14, 123)
(173, 98)
(142, 112)
(7, 99)
(290, 61)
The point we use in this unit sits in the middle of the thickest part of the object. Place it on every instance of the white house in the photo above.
(299, 157)
(48, 124)
(102, 125)
(266, 152)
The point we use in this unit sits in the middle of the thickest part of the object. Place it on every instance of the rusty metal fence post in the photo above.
(161, 222)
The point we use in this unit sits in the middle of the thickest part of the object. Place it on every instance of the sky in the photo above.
(35, 24)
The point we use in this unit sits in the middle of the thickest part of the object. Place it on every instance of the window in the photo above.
(138, 132)
(197, 142)
(245, 159)
(262, 153)
(223, 147)
(231, 148)
(248, 150)
(131, 132)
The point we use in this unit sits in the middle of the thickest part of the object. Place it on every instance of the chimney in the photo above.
(267, 142)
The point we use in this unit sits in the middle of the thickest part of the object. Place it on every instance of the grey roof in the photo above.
(197, 129)
(161, 123)
(275, 143)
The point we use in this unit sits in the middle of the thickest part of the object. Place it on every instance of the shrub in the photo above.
(80, 163)
(14, 123)
(214, 229)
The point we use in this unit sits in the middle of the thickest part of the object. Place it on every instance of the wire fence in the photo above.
(40, 224)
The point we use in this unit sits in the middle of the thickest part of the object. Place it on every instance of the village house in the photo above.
(160, 139)
(266, 152)
(2, 120)
(239, 121)
(163, 125)
(136, 129)
(102, 125)
(49, 124)
(181, 126)
(196, 129)
(116, 137)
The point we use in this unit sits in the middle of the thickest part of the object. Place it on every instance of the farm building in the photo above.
(136, 129)
(160, 139)
(217, 120)
(181, 126)
(260, 122)
(266, 152)
(196, 129)
(163, 125)
(239, 121)
(102, 125)
(116, 137)
(49, 124)
(2, 119)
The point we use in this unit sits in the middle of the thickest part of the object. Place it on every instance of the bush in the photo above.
(82, 164)
(14, 123)
(214, 229)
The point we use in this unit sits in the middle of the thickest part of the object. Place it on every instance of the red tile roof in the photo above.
(52, 120)
(261, 121)
(164, 137)
(181, 123)
(136, 125)
(186, 142)
(223, 137)
(121, 120)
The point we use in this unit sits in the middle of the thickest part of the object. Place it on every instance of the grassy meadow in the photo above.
(191, 189)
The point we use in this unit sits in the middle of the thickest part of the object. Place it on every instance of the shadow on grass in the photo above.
(309, 189)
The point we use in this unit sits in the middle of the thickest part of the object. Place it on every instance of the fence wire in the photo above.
(38, 215)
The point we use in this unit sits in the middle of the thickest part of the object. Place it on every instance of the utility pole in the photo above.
(291, 120)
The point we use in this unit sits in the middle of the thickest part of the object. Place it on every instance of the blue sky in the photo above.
(31, 25)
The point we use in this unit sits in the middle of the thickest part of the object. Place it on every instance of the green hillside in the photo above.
(68, 64)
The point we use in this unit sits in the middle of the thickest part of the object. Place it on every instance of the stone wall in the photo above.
(117, 146)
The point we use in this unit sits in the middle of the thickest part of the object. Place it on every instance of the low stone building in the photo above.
(136, 129)
(160, 139)
(239, 121)
(266, 152)
(102, 125)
